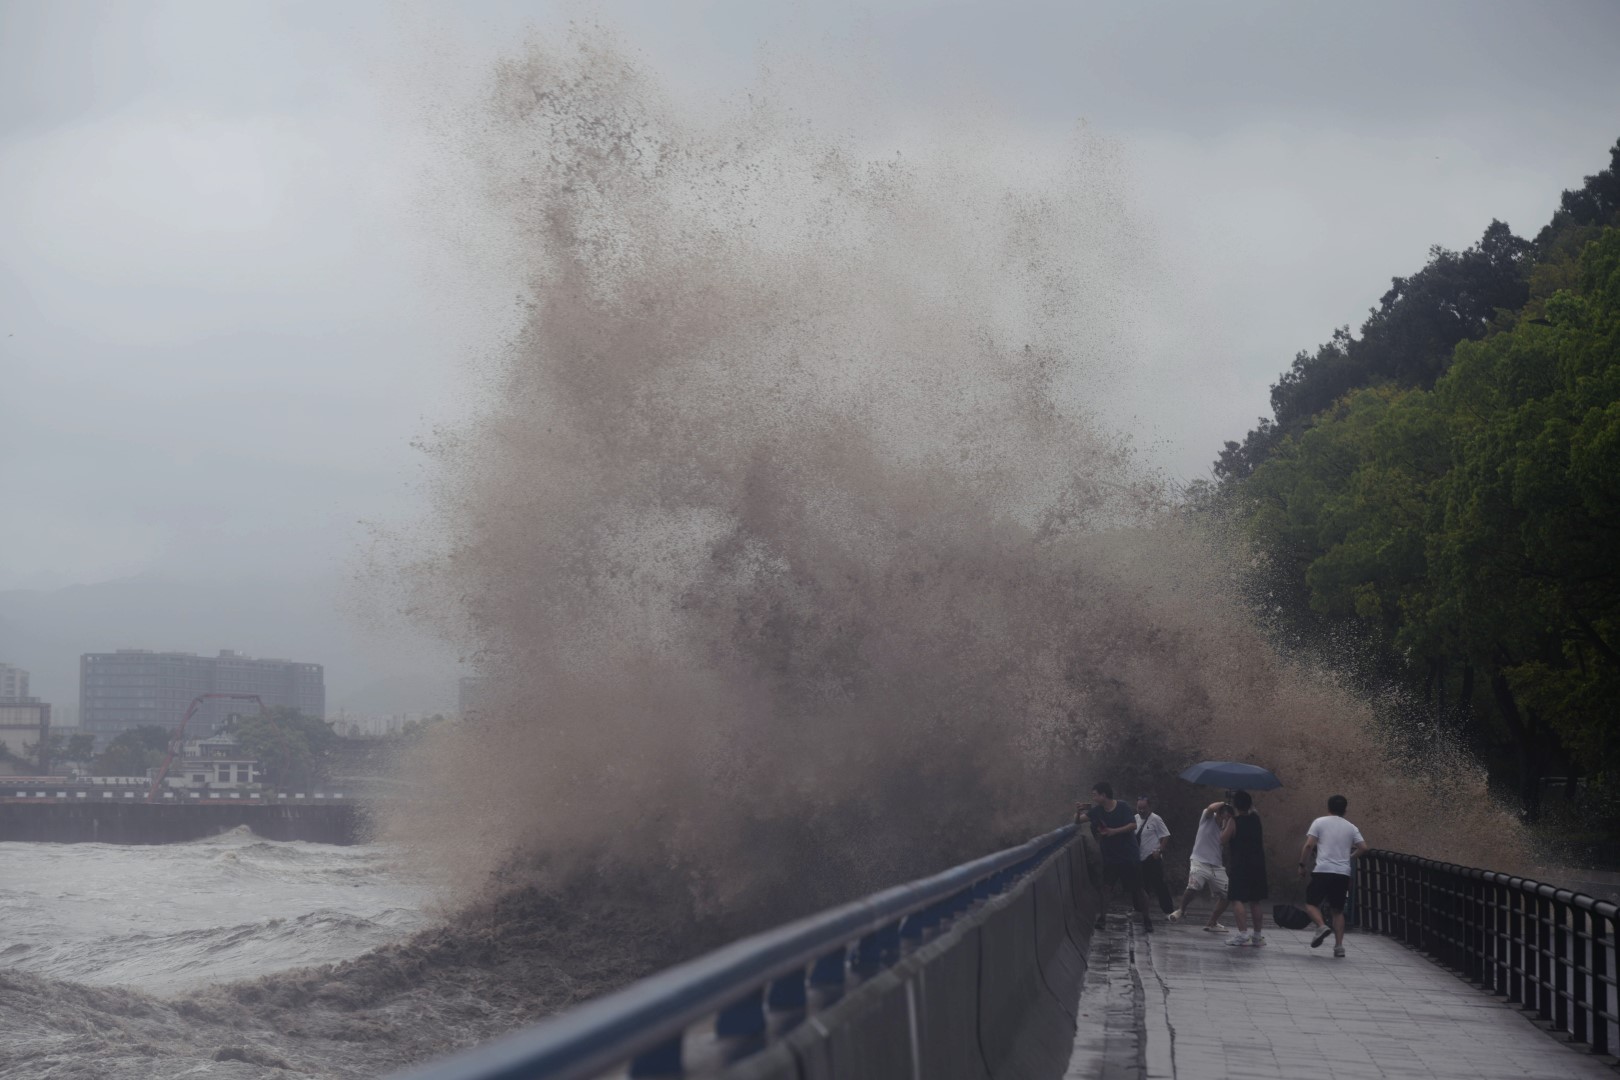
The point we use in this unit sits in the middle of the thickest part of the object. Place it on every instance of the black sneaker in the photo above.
(1102, 922)
(1320, 936)
(1147, 925)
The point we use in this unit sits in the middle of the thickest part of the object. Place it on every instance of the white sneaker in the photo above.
(1257, 939)
(1175, 916)
(1216, 929)
(1239, 938)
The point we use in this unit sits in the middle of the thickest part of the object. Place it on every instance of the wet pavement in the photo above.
(1182, 1004)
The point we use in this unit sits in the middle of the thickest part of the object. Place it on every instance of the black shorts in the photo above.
(1328, 891)
(1246, 884)
(1126, 877)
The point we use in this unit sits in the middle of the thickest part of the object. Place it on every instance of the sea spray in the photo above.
(792, 549)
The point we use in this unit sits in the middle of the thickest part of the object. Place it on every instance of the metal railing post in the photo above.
(1581, 971)
(1504, 950)
(789, 993)
(1417, 912)
(1397, 901)
(1367, 893)
(830, 972)
(1515, 935)
(1544, 972)
(1451, 936)
(662, 1060)
(1560, 933)
(1474, 950)
(743, 1017)
(1602, 942)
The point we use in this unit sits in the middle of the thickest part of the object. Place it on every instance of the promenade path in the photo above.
(1180, 1003)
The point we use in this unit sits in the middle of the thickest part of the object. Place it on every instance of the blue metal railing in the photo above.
(751, 990)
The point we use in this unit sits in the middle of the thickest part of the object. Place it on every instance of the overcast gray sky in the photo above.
(223, 316)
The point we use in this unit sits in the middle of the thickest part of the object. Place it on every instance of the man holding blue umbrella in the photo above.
(1244, 873)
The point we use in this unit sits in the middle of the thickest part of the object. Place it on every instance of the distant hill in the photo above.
(45, 631)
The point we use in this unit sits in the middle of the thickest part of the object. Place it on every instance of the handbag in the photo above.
(1289, 917)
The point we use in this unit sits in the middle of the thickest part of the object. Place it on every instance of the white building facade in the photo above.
(217, 763)
(13, 683)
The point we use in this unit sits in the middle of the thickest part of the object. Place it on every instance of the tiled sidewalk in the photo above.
(1182, 1004)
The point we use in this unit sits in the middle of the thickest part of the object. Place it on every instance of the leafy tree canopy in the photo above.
(1407, 341)
(56, 747)
(132, 752)
(1472, 526)
(289, 746)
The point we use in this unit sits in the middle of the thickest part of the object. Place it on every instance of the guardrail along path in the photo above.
(1182, 1004)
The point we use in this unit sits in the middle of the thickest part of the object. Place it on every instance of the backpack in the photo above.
(1289, 917)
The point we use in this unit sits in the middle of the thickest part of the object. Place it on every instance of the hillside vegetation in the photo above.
(1446, 482)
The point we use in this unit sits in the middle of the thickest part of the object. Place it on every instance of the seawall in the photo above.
(137, 822)
(995, 997)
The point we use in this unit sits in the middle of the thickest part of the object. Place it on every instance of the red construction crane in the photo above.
(179, 737)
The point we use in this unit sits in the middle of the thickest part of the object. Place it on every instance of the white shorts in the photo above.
(1201, 876)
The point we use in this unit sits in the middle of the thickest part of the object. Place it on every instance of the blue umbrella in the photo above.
(1232, 774)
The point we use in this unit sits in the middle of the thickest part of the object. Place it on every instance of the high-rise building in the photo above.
(13, 683)
(125, 689)
(24, 724)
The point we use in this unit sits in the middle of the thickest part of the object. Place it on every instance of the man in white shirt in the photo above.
(1207, 869)
(1152, 837)
(1332, 842)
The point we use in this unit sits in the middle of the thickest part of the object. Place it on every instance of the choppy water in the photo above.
(241, 959)
(174, 917)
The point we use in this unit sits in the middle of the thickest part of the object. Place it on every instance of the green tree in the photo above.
(289, 746)
(1533, 510)
(1407, 340)
(80, 747)
(1471, 528)
(1448, 480)
(41, 754)
(57, 748)
(132, 752)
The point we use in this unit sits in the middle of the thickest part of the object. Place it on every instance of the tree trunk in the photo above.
(1598, 642)
(1465, 703)
(1530, 754)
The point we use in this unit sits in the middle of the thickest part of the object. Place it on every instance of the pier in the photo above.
(80, 814)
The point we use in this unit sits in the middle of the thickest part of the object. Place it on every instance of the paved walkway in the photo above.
(1182, 1004)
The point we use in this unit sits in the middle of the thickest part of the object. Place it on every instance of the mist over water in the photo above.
(792, 546)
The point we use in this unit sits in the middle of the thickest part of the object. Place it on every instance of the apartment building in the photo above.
(125, 689)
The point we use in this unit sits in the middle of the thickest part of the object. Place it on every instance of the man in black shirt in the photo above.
(1114, 825)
